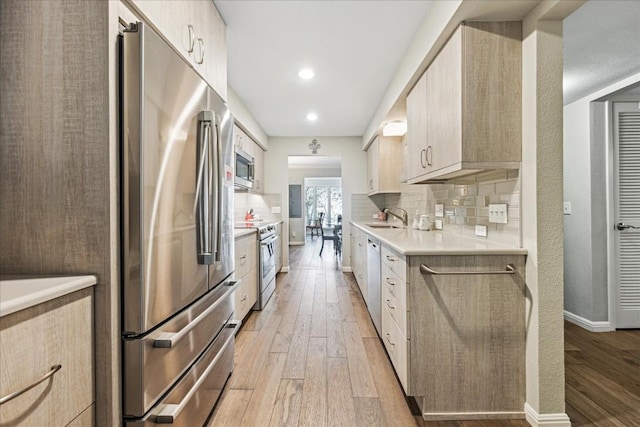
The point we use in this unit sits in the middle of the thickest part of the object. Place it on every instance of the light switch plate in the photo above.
(439, 211)
(438, 224)
(498, 213)
(481, 230)
(275, 209)
(566, 208)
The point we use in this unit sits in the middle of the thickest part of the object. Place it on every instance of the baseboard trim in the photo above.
(296, 243)
(347, 269)
(284, 269)
(547, 420)
(600, 326)
(470, 416)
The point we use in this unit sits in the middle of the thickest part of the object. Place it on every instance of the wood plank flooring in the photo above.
(312, 357)
(602, 373)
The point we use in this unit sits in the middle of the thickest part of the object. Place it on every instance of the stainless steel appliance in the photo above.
(267, 263)
(373, 283)
(177, 236)
(244, 169)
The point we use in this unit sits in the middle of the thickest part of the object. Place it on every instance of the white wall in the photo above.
(354, 176)
(586, 151)
(297, 176)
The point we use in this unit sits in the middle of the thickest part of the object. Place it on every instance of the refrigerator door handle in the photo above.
(218, 192)
(204, 208)
(170, 339)
(168, 413)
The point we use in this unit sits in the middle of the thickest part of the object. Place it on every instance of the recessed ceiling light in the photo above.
(306, 74)
(312, 117)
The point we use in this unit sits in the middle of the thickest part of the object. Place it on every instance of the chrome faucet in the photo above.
(404, 217)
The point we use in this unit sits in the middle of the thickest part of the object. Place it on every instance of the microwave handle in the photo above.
(203, 189)
(252, 169)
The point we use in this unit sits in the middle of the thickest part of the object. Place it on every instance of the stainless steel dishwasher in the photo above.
(373, 282)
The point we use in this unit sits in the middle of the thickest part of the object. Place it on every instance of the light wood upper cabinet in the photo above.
(417, 129)
(196, 30)
(473, 105)
(383, 165)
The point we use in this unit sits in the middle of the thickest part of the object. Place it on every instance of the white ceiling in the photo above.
(354, 48)
(601, 42)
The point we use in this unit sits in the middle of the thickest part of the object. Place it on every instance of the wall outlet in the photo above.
(566, 208)
(439, 211)
(498, 214)
(293, 234)
(275, 209)
(438, 224)
(375, 216)
(481, 230)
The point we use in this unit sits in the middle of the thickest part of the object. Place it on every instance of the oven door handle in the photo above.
(170, 339)
(168, 413)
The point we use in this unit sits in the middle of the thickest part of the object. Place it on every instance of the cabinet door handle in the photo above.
(423, 158)
(387, 335)
(243, 256)
(389, 282)
(192, 38)
(244, 297)
(390, 258)
(429, 156)
(509, 269)
(54, 369)
(201, 45)
(388, 304)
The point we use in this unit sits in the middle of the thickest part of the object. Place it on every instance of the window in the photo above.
(323, 195)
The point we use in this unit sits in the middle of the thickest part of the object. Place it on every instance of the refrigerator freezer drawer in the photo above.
(191, 401)
(154, 362)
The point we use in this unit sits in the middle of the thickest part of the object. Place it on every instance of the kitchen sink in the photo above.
(380, 225)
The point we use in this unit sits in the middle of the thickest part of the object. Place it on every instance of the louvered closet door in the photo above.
(626, 116)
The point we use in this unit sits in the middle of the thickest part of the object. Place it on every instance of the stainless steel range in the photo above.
(267, 263)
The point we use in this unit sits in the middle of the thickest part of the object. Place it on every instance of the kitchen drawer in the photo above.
(396, 310)
(396, 262)
(32, 342)
(153, 362)
(246, 295)
(397, 347)
(396, 286)
(246, 254)
(192, 399)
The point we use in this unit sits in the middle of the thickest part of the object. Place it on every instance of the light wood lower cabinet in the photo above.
(246, 258)
(32, 341)
(359, 258)
(467, 352)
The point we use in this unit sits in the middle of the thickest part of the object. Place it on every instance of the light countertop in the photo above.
(18, 293)
(408, 241)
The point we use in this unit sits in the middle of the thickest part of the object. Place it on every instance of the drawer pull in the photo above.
(169, 412)
(387, 302)
(388, 280)
(244, 297)
(387, 337)
(509, 269)
(54, 369)
(170, 339)
(390, 258)
(243, 256)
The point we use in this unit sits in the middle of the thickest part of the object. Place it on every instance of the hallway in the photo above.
(312, 357)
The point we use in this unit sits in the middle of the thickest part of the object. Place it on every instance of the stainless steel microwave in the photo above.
(245, 166)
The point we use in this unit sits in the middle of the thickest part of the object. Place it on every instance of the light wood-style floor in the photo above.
(602, 372)
(312, 357)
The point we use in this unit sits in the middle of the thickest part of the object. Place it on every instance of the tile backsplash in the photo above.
(466, 204)
(260, 203)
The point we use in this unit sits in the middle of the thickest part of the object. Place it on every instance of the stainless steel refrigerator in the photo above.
(177, 236)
